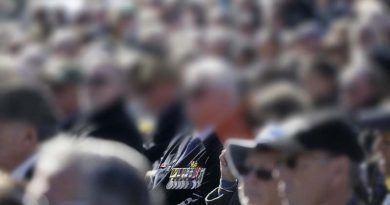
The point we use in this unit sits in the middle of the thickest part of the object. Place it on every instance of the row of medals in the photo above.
(185, 178)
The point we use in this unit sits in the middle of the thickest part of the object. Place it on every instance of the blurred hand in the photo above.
(225, 171)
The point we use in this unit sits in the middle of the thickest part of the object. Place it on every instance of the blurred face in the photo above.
(160, 96)
(259, 179)
(67, 99)
(307, 177)
(384, 150)
(309, 44)
(102, 88)
(17, 143)
(359, 94)
(218, 47)
(207, 106)
(60, 188)
(268, 51)
(66, 48)
(318, 87)
(366, 38)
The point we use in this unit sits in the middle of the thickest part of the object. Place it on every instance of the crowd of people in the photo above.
(194, 102)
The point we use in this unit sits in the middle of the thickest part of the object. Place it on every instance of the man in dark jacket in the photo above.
(112, 123)
(170, 121)
(155, 82)
(104, 104)
(321, 160)
(189, 169)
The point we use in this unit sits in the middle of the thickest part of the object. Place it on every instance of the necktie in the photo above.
(191, 146)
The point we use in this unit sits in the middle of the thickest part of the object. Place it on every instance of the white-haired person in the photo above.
(74, 170)
(189, 169)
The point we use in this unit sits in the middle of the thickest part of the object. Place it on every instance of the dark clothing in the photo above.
(376, 183)
(356, 201)
(188, 179)
(222, 197)
(168, 125)
(112, 123)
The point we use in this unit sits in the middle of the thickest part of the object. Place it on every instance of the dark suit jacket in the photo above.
(169, 124)
(112, 123)
(205, 156)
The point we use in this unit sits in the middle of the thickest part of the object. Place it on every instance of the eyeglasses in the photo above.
(260, 173)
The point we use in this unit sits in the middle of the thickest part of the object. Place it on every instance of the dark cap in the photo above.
(149, 70)
(61, 72)
(376, 119)
(19, 103)
(328, 132)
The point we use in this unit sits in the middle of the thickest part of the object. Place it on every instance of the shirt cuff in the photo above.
(227, 186)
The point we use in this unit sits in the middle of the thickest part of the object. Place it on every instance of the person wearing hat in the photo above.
(321, 154)
(154, 82)
(272, 103)
(103, 107)
(254, 164)
(64, 79)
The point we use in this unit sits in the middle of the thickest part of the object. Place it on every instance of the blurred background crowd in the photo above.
(127, 84)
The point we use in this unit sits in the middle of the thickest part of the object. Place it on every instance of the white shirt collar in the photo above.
(204, 134)
(21, 171)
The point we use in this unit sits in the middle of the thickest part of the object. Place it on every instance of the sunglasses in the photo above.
(290, 162)
(261, 173)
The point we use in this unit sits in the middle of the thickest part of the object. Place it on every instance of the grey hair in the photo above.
(214, 72)
(64, 148)
(112, 173)
(114, 182)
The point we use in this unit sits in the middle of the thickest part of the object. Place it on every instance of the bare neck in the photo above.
(338, 196)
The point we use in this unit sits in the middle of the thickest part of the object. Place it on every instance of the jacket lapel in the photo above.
(209, 145)
(170, 160)
(194, 154)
